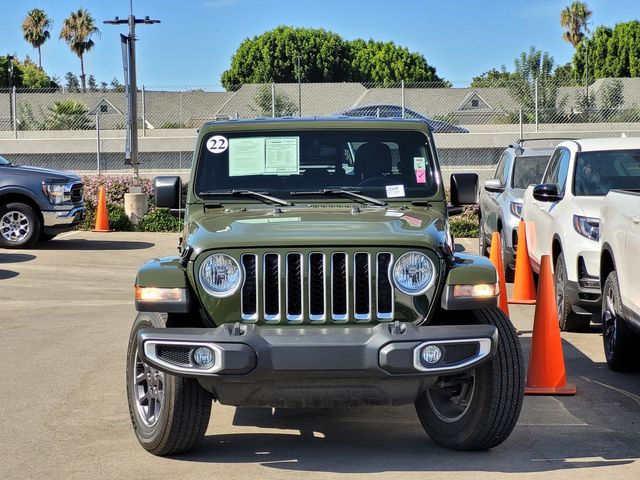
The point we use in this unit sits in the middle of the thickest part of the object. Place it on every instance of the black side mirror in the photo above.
(494, 186)
(547, 192)
(464, 189)
(167, 192)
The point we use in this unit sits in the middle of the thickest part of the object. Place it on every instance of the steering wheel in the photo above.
(376, 181)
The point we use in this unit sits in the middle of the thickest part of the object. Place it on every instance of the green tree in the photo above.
(35, 29)
(564, 75)
(284, 106)
(16, 75)
(531, 69)
(574, 19)
(68, 115)
(324, 57)
(33, 76)
(613, 52)
(493, 78)
(116, 86)
(77, 30)
(92, 83)
(72, 84)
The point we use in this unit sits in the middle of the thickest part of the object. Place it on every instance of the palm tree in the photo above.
(574, 18)
(77, 31)
(35, 29)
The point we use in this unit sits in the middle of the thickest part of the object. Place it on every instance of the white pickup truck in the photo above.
(620, 247)
(562, 218)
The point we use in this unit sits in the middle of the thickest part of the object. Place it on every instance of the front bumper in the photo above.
(315, 366)
(59, 220)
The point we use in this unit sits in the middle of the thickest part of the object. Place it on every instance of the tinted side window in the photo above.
(500, 171)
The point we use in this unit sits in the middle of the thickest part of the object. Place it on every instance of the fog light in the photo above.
(431, 354)
(203, 356)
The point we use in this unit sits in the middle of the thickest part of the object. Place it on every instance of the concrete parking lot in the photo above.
(65, 311)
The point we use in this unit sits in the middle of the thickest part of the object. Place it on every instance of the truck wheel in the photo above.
(169, 414)
(569, 320)
(617, 338)
(19, 225)
(477, 410)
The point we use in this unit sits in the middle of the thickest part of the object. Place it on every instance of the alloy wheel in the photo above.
(148, 391)
(14, 226)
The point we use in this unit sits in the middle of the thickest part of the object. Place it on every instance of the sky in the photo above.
(197, 38)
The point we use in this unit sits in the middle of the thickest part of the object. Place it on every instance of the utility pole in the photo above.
(130, 80)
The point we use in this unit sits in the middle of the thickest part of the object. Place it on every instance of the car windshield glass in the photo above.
(4, 161)
(380, 164)
(599, 172)
(528, 170)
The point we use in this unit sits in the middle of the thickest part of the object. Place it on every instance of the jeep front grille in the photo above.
(316, 287)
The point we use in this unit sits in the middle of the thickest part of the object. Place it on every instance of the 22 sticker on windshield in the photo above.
(217, 144)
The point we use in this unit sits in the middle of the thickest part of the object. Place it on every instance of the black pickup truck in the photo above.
(36, 204)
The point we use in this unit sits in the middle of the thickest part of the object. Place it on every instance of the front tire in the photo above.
(482, 240)
(569, 320)
(169, 414)
(618, 340)
(478, 410)
(20, 225)
(509, 273)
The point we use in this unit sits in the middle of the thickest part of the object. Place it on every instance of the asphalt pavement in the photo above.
(65, 311)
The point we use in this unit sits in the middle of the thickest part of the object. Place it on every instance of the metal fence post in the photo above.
(521, 129)
(273, 100)
(98, 138)
(402, 94)
(536, 100)
(144, 113)
(14, 116)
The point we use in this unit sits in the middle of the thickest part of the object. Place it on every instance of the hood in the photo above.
(588, 206)
(314, 226)
(44, 173)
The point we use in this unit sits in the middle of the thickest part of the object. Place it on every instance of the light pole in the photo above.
(130, 80)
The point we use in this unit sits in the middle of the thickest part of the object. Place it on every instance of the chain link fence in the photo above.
(86, 131)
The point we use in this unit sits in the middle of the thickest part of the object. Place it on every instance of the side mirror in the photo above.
(167, 192)
(464, 189)
(494, 186)
(547, 192)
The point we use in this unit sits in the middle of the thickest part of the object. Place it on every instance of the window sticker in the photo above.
(282, 156)
(395, 191)
(419, 167)
(217, 144)
(246, 156)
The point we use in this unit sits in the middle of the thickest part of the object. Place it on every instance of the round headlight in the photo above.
(220, 275)
(413, 273)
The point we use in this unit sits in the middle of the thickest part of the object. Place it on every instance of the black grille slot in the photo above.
(271, 286)
(176, 354)
(384, 288)
(362, 287)
(294, 286)
(339, 288)
(316, 286)
(76, 193)
(459, 352)
(250, 287)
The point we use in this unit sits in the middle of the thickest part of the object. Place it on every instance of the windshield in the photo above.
(528, 170)
(599, 172)
(4, 161)
(376, 163)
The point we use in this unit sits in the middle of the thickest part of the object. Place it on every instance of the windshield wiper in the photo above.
(247, 193)
(355, 194)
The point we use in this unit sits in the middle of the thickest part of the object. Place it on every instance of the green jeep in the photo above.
(317, 270)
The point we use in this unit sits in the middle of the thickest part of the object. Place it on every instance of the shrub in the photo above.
(466, 224)
(159, 220)
(117, 186)
(118, 219)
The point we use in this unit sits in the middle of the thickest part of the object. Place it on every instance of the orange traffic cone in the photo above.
(102, 218)
(524, 290)
(496, 258)
(546, 374)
